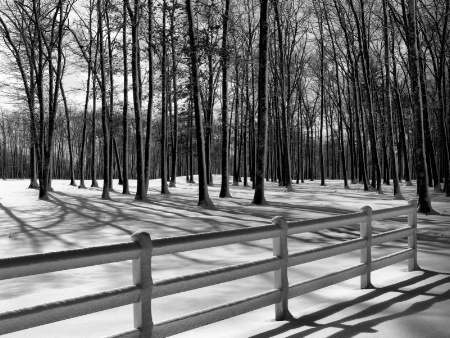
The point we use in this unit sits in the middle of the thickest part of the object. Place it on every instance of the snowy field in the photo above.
(402, 304)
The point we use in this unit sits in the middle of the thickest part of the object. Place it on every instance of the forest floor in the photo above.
(401, 304)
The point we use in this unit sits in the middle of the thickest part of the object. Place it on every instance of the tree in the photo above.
(125, 183)
(388, 102)
(163, 163)
(424, 203)
(224, 187)
(203, 195)
(261, 156)
(135, 16)
(105, 126)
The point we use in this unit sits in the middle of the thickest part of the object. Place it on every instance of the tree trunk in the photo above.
(203, 197)
(163, 163)
(261, 154)
(141, 190)
(224, 188)
(424, 204)
(116, 152)
(388, 103)
(173, 171)
(125, 150)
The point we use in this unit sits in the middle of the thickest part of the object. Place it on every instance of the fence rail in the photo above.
(143, 248)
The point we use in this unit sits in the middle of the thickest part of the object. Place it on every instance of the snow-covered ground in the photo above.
(402, 304)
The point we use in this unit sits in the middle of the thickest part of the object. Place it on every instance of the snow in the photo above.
(402, 304)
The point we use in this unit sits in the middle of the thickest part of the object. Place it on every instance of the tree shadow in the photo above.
(365, 322)
(27, 230)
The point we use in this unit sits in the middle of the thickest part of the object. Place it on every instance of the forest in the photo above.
(270, 90)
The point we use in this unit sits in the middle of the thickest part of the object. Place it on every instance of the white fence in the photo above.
(143, 248)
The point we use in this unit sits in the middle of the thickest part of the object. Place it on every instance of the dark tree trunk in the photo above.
(203, 198)
(224, 188)
(141, 191)
(125, 183)
(173, 179)
(69, 137)
(163, 163)
(424, 204)
(261, 154)
(116, 153)
(426, 126)
(236, 173)
(287, 176)
(148, 136)
(105, 127)
(86, 104)
(388, 103)
(322, 103)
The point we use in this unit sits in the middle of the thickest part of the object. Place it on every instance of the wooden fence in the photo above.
(142, 248)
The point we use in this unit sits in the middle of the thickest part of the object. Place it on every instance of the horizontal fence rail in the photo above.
(142, 248)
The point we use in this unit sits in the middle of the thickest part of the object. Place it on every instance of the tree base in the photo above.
(430, 211)
(225, 195)
(263, 202)
(289, 188)
(207, 204)
(33, 185)
(398, 196)
(437, 188)
(172, 185)
(408, 184)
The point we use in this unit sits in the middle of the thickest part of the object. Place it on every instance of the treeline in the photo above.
(284, 90)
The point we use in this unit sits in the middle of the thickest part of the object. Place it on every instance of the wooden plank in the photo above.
(391, 212)
(169, 245)
(312, 225)
(214, 314)
(25, 318)
(301, 257)
(397, 257)
(314, 284)
(28, 265)
(202, 279)
(392, 235)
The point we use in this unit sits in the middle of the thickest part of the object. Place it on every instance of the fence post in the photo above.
(280, 250)
(142, 276)
(412, 240)
(366, 253)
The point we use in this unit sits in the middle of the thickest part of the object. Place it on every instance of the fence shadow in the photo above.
(411, 298)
